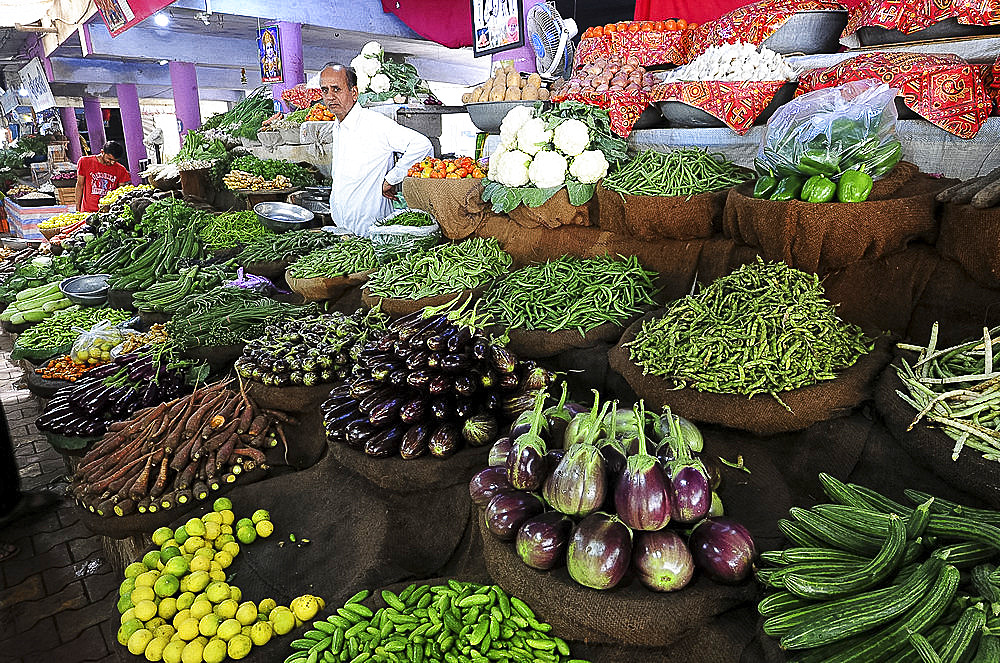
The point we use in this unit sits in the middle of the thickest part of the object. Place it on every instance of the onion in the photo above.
(723, 549)
(487, 483)
(541, 541)
(661, 560)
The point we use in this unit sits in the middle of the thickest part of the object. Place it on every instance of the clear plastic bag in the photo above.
(97, 345)
(829, 131)
(390, 241)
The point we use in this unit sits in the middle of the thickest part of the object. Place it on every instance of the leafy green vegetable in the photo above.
(271, 168)
(603, 138)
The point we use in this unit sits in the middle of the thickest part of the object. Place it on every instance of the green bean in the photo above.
(353, 254)
(412, 218)
(220, 231)
(64, 327)
(476, 623)
(286, 246)
(680, 172)
(764, 329)
(228, 316)
(443, 269)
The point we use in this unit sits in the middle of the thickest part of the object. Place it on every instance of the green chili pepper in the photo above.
(818, 189)
(854, 187)
(788, 188)
(765, 186)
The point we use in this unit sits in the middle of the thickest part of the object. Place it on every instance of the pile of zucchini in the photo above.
(871, 580)
(35, 304)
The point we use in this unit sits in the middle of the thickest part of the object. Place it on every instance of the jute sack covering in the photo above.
(322, 288)
(761, 414)
(43, 387)
(398, 475)
(272, 270)
(306, 440)
(972, 237)
(294, 398)
(930, 447)
(660, 217)
(216, 355)
(627, 614)
(819, 237)
(538, 344)
(556, 211)
(399, 307)
(457, 205)
(121, 299)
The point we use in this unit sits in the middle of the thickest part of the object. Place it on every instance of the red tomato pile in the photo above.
(451, 169)
(300, 96)
(640, 26)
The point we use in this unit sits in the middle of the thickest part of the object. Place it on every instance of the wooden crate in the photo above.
(66, 195)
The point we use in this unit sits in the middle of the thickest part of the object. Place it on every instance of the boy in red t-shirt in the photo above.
(98, 174)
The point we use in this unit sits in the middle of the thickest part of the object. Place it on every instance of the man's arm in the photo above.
(80, 177)
(413, 146)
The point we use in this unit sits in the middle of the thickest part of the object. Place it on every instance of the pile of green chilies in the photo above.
(222, 231)
(353, 254)
(444, 269)
(286, 246)
(228, 316)
(571, 293)
(411, 218)
(683, 172)
(764, 329)
(958, 389)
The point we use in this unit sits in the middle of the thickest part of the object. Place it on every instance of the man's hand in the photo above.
(388, 190)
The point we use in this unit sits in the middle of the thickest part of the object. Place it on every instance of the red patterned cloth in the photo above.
(991, 78)
(624, 108)
(943, 89)
(907, 16)
(656, 47)
(737, 103)
(752, 23)
(591, 49)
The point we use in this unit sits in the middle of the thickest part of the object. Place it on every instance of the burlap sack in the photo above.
(270, 270)
(322, 288)
(399, 307)
(457, 205)
(538, 344)
(121, 299)
(150, 318)
(761, 414)
(295, 398)
(43, 387)
(398, 475)
(930, 447)
(820, 237)
(556, 211)
(628, 614)
(217, 356)
(972, 237)
(660, 217)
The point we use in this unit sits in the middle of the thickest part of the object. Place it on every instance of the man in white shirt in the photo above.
(364, 170)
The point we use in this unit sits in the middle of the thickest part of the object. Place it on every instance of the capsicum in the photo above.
(818, 162)
(765, 186)
(788, 188)
(818, 189)
(854, 187)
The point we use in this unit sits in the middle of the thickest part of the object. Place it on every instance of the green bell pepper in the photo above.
(818, 189)
(765, 186)
(788, 188)
(884, 159)
(818, 162)
(854, 187)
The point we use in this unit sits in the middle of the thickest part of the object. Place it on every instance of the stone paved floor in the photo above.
(56, 592)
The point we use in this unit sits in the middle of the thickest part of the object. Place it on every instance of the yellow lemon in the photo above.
(223, 559)
(227, 609)
(259, 515)
(208, 625)
(177, 566)
(228, 517)
(192, 652)
(134, 569)
(200, 563)
(162, 534)
(266, 606)
(155, 622)
(218, 575)
(261, 632)
(212, 531)
(232, 548)
(239, 647)
(305, 607)
(145, 610)
(165, 631)
(167, 608)
(188, 629)
(137, 641)
(181, 617)
(217, 592)
(228, 629)
(172, 652)
(282, 620)
(154, 650)
(197, 580)
(235, 593)
(200, 608)
(227, 528)
(212, 517)
(194, 543)
(126, 587)
(127, 615)
(246, 614)
(142, 593)
(126, 630)
(195, 527)
(215, 651)
(264, 528)
(146, 579)
(184, 600)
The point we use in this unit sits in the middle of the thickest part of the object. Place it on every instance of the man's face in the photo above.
(106, 158)
(338, 97)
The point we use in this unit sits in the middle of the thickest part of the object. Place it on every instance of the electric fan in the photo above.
(551, 37)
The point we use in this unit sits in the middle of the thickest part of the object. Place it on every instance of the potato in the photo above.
(513, 94)
(497, 94)
(487, 88)
(529, 93)
(534, 80)
(543, 95)
(467, 98)
(514, 80)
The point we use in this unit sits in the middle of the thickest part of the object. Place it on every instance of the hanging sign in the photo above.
(269, 53)
(120, 15)
(8, 101)
(34, 81)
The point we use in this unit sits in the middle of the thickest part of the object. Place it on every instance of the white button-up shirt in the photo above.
(362, 157)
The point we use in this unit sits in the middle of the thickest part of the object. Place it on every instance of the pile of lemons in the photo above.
(176, 606)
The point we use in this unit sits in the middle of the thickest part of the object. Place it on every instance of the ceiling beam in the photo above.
(93, 70)
(472, 73)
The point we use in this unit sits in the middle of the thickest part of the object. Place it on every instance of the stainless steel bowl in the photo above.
(86, 290)
(280, 217)
(809, 33)
(488, 115)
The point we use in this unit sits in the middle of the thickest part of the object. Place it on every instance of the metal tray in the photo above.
(873, 35)
(809, 33)
(679, 114)
(651, 118)
(487, 115)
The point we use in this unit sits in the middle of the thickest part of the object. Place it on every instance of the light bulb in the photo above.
(161, 19)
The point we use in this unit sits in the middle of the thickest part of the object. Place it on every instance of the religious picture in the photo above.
(268, 48)
(497, 25)
(116, 14)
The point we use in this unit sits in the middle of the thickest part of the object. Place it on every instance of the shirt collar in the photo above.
(353, 116)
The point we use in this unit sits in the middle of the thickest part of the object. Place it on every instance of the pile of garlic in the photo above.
(734, 62)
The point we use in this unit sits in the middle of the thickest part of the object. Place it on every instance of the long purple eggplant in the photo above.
(642, 495)
(414, 441)
(690, 484)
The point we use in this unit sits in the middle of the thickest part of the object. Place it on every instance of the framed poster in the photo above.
(119, 15)
(497, 25)
(269, 54)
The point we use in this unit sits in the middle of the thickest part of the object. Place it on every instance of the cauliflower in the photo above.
(511, 169)
(532, 136)
(363, 81)
(372, 49)
(380, 83)
(589, 166)
(547, 169)
(512, 121)
(571, 137)
(368, 66)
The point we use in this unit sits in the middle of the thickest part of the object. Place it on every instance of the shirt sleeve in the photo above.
(413, 145)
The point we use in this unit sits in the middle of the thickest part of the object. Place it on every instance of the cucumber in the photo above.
(936, 638)
(969, 624)
(17, 318)
(923, 648)
(875, 523)
(984, 584)
(38, 301)
(7, 314)
(29, 293)
(834, 533)
(35, 315)
(989, 649)
(797, 534)
(880, 502)
(781, 602)
(967, 555)
(950, 508)
(892, 638)
(841, 493)
(916, 524)
(797, 555)
(833, 621)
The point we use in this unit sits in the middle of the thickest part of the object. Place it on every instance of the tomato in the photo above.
(622, 26)
(648, 27)
(597, 31)
(660, 26)
(682, 24)
(609, 28)
(670, 25)
(634, 26)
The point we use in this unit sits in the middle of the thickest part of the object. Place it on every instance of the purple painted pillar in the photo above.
(184, 80)
(128, 103)
(68, 116)
(290, 45)
(95, 123)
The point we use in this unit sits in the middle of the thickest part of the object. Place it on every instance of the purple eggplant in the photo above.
(499, 452)
(434, 360)
(385, 443)
(414, 410)
(614, 459)
(487, 483)
(662, 561)
(691, 493)
(723, 549)
(525, 465)
(464, 385)
(380, 372)
(464, 408)
(419, 379)
(441, 408)
(599, 551)
(456, 363)
(508, 510)
(398, 377)
(461, 337)
(508, 382)
(444, 441)
(357, 433)
(642, 494)
(480, 348)
(480, 430)
(502, 359)
(414, 441)
(361, 388)
(417, 361)
(577, 486)
(439, 384)
(368, 403)
(552, 459)
(714, 469)
(489, 379)
(541, 540)
(385, 412)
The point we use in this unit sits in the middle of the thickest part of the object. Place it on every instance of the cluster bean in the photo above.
(571, 293)
(683, 172)
(445, 268)
(285, 246)
(228, 229)
(228, 316)
(354, 254)
(764, 329)
(459, 622)
(64, 328)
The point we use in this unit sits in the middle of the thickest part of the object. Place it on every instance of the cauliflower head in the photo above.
(532, 136)
(363, 64)
(372, 48)
(547, 169)
(589, 166)
(512, 121)
(511, 169)
(571, 137)
(380, 83)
